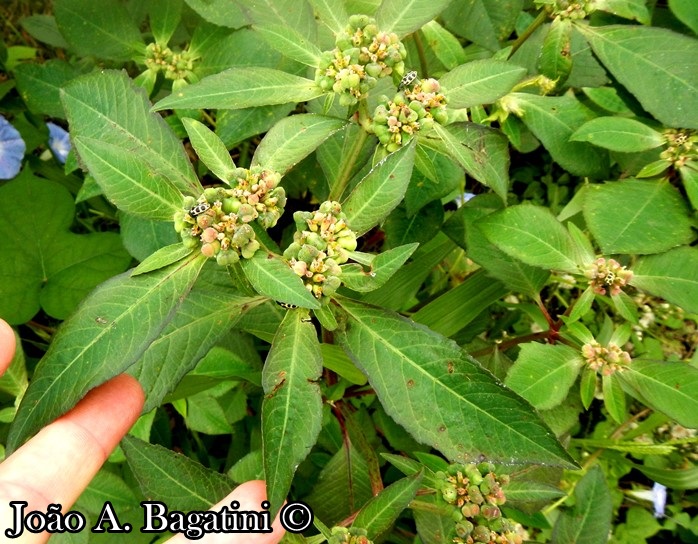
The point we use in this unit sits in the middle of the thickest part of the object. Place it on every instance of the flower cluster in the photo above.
(606, 360)
(396, 121)
(362, 54)
(476, 493)
(219, 219)
(321, 243)
(352, 535)
(607, 273)
(681, 146)
(173, 65)
(568, 9)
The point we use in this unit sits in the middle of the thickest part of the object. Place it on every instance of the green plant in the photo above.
(340, 250)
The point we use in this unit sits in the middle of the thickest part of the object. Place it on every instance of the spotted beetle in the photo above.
(287, 306)
(408, 79)
(199, 209)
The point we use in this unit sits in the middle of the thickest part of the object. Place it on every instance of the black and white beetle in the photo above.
(287, 306)
(199, 209)
(408, 79)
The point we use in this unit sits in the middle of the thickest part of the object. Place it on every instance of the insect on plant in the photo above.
(199, 209)
(408, 79)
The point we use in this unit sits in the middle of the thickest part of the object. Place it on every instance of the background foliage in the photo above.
(501, 249)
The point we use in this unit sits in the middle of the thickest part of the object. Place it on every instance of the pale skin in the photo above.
(57, 464)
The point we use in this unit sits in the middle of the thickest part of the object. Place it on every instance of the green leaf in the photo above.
(173, 478)
(532, 235)
(296, 14)
(378, 514)
(481, 151)
(332, 13)
(614, 398)
(455, 309)
(435, 176)
(544, 373)
(202, 320)
(290, 43)
(39, 85)
(210, 149)
(689, 177)
(401, 228)
(587, 387)
(104, 29)
(242, 87)
(405, 16)
(292, 406)
(164, 16)
(675, 479)
(127, 181)
(653, 218)
(44, 29)
(589, 520)
(382, 268)
(411, 367)
(380, 191)
(109, 321)
(219, 12)
(553, 119)
(445, 45)
(44, 265)
(658, 66)
(463, 228)
(628, 9)
(667, 387)
(292, 139)
(555, 60)
(480, 82)
(162, 257)
(334, 358)
(685, 11)
(484, 22)
(618, 134)
(272, 277)
(106, 106)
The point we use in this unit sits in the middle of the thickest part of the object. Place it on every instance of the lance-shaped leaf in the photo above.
(380, 191)
(162, 257)
(481, 151)
(109, 332)
(543, 373)
(292, 406)
(164, 18)
(553, 119)
(555, 60)
(381, 511)
(173, 478)
(106, 106)
(291, 43)
(131, 184)
(672, 275)
(619, 134)
(243, 87)
(292, 139)
(202, 319)
(654, 216)
(589, 520)
(445, 45)
(103, 29)
(272, 277)
(480, 82)
(532, 235)
(210, 149)
(331, 13)
(671, 388)
(440, 395)
(382, 268)
(405, 16)
(658, 66)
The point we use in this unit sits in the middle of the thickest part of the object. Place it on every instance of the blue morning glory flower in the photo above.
(12, 149)
(58, 141)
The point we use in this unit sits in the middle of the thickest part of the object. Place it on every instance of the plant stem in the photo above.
(421, 55)
(348, 165)
(538, 21)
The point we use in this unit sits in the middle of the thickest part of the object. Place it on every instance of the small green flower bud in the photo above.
(449, 494)
(250, 249)
(204, 220)
(347, 100)
(247, 213)
(480, 534)
(189, 202)
(211, 194)
(464, 528)
(210, 249)
(307, 253)
(470, 510)
(226, 258)
(209, 235)
(231, 205)
(490, 512)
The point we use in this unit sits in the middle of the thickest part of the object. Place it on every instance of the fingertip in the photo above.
(7, 345)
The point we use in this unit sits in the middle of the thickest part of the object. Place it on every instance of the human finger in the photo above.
(250, 496)
(7, 345)
(56, 465)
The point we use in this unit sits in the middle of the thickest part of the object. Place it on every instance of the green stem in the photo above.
(348, 165)
(538, 21)
(421, 55)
